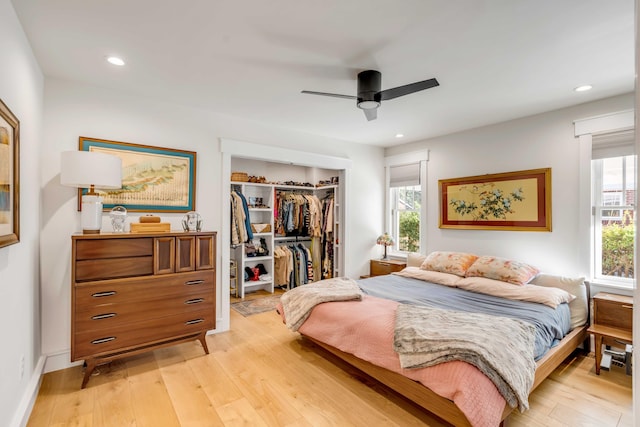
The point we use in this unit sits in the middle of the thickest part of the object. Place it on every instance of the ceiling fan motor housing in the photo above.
(369, 85)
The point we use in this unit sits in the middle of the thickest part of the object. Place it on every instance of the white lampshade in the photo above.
(86, 169)
(83, 169)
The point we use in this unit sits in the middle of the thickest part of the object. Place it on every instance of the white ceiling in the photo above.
(495, 59)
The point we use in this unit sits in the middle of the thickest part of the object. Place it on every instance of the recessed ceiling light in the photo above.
(583, 88)
(115, 60)
(399, 135)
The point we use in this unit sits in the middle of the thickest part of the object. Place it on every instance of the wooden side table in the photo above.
(380, 267)
(612, 322)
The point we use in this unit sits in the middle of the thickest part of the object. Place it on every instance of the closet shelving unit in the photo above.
(265, 216)
(260, 198)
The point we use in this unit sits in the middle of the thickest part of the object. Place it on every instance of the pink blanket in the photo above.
(365, 329)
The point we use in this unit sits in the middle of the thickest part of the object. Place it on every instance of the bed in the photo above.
(363, 331)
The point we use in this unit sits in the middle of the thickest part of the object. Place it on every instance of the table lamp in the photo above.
(87, 169)
(385, 240)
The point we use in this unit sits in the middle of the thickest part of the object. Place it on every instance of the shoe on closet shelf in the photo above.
(261, 269)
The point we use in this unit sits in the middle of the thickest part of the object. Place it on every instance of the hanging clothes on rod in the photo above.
(240, 220)
(297, 214)
(293, 266)
(327, 236)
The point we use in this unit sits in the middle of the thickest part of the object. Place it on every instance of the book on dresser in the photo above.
(136, 292)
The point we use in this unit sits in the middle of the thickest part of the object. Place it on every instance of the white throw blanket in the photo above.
(297, 303)
(502, 348)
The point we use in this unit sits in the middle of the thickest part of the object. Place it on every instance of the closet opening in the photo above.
(282, 226)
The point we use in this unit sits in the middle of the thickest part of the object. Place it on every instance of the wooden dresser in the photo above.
(135, 292)
(612, 322)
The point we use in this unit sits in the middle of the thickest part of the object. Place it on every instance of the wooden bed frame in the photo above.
(445, 408)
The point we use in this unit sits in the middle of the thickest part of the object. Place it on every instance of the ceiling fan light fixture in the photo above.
(583, 88)
(368, 105)
(115, 60)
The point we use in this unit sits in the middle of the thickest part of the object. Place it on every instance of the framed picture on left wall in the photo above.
(9, 177)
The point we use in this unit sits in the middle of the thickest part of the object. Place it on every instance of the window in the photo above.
(406, 208)
(405, 217)
(613, 190)
(612, 198)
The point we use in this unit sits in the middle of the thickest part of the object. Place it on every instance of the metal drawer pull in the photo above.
(194, 301)
(103, 340)
(194, 321)
(194, 282)
(627, 306)
(104, 294)
(103, 316)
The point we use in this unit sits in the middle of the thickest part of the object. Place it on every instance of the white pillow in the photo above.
(540, 294)
(415, 259)
(580, 306)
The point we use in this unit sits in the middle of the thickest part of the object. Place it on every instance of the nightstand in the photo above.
(380, 267)
(612, 322)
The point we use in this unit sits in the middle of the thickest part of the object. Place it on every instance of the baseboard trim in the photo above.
(23, 411)
(58, 361)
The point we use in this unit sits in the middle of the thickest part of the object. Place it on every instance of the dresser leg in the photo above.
(203, 341)
(90, 365)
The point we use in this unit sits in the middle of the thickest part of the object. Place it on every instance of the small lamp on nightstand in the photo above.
(87, 169)
(385, 240)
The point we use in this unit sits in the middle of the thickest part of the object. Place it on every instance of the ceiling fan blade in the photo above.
(371, 114)
(407, 89)
(335, 95)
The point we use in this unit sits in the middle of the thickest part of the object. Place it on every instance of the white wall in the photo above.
(21, 86)
(540, 141)
(72, 110)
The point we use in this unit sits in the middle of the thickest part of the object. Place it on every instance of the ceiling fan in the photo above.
(370, 96)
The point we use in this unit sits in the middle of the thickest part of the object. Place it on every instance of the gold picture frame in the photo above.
(515, 201)
(9, 177)
(154, 179)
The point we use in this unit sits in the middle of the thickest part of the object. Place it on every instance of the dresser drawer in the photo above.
(113, 248)
(113, 268)
(148, 332)
(105, 316)
(134, 290)
(613, 311)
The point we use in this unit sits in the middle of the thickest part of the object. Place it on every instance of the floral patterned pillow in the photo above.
(449, 262)
(503, 269)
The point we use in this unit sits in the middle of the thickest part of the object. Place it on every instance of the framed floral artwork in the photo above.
(516, 201)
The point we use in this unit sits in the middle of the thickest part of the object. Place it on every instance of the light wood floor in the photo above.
(261, 374)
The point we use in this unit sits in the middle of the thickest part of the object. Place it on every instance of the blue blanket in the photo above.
(551, 324)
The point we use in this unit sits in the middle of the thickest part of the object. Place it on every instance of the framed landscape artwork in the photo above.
(517, 201)
(154, 179)
(9, 177)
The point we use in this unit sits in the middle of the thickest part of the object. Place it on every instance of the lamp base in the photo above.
(384, 258)
(91, 216)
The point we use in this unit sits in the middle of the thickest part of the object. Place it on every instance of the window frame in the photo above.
(613, 127)
(598, 207)
(421, 157)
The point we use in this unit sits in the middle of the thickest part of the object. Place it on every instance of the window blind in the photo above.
(404, 175)
(615, 144)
